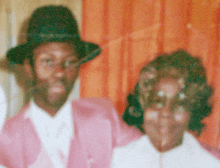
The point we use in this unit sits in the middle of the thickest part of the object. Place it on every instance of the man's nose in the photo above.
(59, 70)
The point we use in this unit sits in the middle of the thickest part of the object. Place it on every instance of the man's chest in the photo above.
(90, 147)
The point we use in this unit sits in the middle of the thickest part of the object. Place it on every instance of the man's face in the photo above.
(54, 73)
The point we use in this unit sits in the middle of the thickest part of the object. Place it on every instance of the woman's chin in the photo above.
(165, 145)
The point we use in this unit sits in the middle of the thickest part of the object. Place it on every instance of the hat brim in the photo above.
(18, 54)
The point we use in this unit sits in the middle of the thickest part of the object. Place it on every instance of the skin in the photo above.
(54, 73)
(165, 122)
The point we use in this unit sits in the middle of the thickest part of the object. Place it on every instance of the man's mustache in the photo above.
(46, 85)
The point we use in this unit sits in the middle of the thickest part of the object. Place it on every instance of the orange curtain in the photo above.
(133, 32)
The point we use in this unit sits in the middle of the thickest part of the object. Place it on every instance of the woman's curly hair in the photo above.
(191, 75)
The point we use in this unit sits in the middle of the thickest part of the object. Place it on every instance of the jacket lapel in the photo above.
(77, 154)
(92, 143)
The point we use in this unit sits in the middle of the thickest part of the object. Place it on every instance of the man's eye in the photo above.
(48, 62)
(70, 63)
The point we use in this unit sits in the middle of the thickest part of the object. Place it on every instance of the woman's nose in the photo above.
(167, 111)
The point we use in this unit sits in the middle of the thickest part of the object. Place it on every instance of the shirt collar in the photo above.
(63, 116)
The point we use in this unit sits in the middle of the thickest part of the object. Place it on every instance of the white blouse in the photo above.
(142, 154)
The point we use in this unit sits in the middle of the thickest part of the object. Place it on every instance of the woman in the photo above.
(171, 97)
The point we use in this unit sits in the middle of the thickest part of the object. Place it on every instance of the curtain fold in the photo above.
(131, 33)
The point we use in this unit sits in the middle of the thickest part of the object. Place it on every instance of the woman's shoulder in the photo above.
(213, 151)
(201, 156)
(135, 154)
(135, 145)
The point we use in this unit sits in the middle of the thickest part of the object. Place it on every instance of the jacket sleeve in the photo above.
(10, 146)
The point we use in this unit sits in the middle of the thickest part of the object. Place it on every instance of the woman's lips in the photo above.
(164, 129)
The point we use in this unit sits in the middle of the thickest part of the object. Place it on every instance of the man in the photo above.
(52, 131)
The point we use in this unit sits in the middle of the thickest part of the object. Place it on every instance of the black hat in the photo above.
(53, 23)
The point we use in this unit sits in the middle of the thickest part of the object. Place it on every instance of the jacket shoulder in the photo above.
(93, 102)
(89, 105)
(14, 123)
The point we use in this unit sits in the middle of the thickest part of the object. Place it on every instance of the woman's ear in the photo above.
(28, 68)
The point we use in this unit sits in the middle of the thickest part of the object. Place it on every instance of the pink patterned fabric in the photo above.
(98, 130)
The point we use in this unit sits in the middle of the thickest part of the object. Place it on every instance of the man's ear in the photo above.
(28, 68)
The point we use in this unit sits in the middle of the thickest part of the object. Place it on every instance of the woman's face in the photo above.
(166, 120)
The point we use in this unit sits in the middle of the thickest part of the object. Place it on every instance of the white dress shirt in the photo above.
(142, 154)
(54, 132)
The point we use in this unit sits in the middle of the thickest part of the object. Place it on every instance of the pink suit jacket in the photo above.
(98, 130)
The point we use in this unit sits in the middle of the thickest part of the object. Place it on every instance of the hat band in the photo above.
(47, 37)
